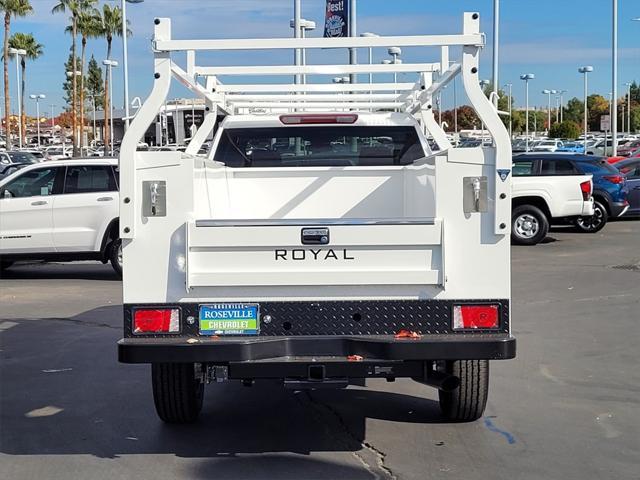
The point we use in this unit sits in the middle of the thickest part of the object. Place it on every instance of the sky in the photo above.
(548, 38)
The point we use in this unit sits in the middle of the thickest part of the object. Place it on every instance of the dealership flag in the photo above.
(336, 23)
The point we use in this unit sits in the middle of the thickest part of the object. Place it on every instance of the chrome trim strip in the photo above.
(314, 222)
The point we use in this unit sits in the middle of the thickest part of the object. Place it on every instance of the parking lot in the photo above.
(565, 408)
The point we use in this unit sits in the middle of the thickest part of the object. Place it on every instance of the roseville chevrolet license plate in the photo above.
(230, 319)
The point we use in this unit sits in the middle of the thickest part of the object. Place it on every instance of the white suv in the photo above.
(63, 210)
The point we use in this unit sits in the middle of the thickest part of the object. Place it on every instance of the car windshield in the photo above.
(325, 146)
(22, 157)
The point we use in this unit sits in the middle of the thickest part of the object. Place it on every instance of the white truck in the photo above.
(321, 242)
(542, 196)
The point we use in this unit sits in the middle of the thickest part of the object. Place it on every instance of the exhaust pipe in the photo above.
(441, 381)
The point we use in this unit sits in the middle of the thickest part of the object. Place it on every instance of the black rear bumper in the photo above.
(498, 346)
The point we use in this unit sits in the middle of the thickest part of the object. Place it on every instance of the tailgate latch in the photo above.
(315, 236)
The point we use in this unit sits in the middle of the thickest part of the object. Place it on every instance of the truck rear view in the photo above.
(332, 234)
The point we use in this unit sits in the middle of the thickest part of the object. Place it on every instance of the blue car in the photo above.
(610, 188)
(571, 147)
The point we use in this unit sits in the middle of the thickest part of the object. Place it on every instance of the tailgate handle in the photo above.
(315, 236)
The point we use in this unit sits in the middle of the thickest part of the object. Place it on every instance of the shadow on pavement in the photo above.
(59, 271)
(64, 392)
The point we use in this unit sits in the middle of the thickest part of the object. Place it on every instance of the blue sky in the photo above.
(548, 38)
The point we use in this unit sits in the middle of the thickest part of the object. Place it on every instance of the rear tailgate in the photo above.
(273, 253)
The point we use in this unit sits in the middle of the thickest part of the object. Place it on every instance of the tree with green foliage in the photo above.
(26, 42)
(95, 83)
(566, 129)
(10, 8)
(67, 86)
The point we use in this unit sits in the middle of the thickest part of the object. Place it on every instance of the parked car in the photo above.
(631, 170)
(629, 148)
(571, 147)
(61, 210)
(542, 195)
(609, 186)
(14, 156)
(547, 145)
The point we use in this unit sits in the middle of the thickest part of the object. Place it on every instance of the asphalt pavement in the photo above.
(565, 408)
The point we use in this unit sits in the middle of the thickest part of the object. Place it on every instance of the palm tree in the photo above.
(75, 7)
(25, 41)
(111, 25)
(89, 25)
(10, 8)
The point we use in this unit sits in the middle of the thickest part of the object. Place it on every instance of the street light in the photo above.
(370, 35)
(305, 25)
(549, 93)
(526, 77)
(614, 80)
(510, 85)
(18, 52)
(110, 64)
(496, 46)
(585, 71)
(125, 58)
(37, 98)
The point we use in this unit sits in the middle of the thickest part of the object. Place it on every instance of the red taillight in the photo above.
(475, 316)
(318, 118)
(614, 178)
(586, 190)
(156, 321)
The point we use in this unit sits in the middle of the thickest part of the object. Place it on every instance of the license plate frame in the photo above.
(224, 319)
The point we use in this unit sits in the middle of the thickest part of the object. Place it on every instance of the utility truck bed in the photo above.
(323, 241)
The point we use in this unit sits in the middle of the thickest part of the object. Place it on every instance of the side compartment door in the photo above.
(26, 213)
(89, 202)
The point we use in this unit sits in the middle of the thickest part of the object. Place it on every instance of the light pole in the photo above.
(585, 71)
(370, 35)
(304, 26)
(297, 32)
(37, 99)
(110, 64)
(561, 93)
(496, 46)
(53, 123)
(125, 60)
(510, 85)
(18, 52)
(526, 77)
(628, 85)
(549, 93)
(395, 52)
(353, 31)
(614, 80)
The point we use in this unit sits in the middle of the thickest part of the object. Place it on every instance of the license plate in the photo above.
(230, 319)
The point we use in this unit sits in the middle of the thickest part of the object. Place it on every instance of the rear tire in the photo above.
(467, 402)
(594, 223)
(115, 257)
(529, 225)
(177, 393)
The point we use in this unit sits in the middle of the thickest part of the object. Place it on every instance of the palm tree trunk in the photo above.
(107, 101)
(74, 96)
(84, 47)
(7, 102)
(23, 118)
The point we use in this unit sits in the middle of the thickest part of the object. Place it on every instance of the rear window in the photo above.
(334, 146)
(557, 167)
(596, 166)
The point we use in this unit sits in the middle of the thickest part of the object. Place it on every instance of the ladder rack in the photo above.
(320, 95)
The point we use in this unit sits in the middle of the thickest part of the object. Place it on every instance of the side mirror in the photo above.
(7, 194)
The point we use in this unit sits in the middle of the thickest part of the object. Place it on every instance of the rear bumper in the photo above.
(618, 209)
(499, 346)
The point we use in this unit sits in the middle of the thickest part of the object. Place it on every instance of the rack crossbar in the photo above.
(312, 88)
(316, 69)
(475, 39)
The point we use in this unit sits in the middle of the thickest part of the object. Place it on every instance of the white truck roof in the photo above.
(363, 119)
